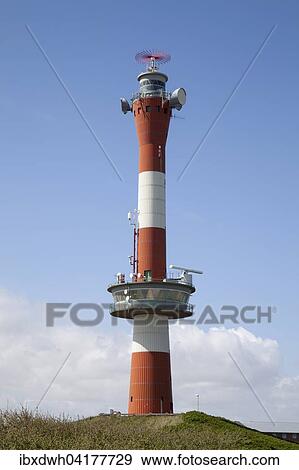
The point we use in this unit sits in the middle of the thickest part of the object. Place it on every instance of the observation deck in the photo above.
(169, 298)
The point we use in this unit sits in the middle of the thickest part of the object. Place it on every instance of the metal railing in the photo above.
(159, 93)
(176, 277)
(170, 276)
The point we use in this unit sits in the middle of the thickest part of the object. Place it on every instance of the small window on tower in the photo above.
(158, 108)
(148, 109)
(131, 399)
(139, 109)
(134, 112)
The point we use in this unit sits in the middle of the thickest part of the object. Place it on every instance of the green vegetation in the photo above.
(26, 430)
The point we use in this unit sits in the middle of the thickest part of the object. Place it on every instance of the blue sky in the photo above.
(63, 225)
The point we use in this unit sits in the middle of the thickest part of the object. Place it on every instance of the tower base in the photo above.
(150, 384)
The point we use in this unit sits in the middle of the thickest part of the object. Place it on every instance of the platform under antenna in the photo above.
(152, 58)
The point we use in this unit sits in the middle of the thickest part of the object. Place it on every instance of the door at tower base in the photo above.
(150, 385)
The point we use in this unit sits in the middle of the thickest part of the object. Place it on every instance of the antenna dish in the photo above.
(152, 58)
(125, 106)
(178, 98)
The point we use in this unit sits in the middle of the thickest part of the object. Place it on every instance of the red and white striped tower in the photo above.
(151, 299)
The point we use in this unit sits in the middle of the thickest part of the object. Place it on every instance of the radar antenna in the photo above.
(152, 58)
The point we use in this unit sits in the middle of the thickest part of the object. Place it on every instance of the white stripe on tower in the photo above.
(150, 334)
(151, 199)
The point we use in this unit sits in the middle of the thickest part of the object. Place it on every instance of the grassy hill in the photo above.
(192, 430)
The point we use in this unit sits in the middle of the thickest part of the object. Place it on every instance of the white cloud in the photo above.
(96, 376)
(202, 364)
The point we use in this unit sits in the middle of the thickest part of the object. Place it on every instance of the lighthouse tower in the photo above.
(151, 297)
